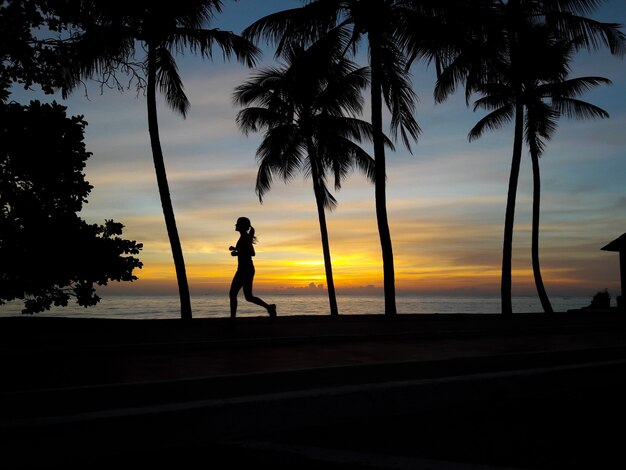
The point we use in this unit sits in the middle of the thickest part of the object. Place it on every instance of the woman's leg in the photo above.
(247, 292)
(235, 286)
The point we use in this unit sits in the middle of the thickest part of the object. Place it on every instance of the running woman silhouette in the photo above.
(244, 251)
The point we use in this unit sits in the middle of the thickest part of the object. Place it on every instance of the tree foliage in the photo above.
(33, 38)
(48, 252)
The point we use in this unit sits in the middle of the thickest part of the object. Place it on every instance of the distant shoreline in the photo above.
(212, 306)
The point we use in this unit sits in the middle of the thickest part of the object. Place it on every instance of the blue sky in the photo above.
(446, 201)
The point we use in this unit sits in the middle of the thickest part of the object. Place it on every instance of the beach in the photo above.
(499, 392)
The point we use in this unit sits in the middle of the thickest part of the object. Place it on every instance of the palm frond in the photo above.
(362, 160)
(263, 88)
(206, 40)
(199, 12)
(577, 109)
(170, 82)
(328, 200)
(343, 92)
(574, 86)
(449, 77)
(256, 119)
(494, 120)
(264, 179)
(320, 188)
(540, 124)
(349, 128)
(327, 48)
(590, 34)
(283, 150)
(399, 96)
(301, 25)
(494, 95)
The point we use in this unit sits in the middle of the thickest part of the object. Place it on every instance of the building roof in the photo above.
(619, 244)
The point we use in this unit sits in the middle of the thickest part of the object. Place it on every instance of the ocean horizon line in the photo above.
(290, 304)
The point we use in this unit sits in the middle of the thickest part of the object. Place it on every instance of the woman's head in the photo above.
(243, 225)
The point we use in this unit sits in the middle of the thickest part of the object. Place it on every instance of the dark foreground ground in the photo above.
(354, 392)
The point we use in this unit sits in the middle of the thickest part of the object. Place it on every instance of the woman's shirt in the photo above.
(245, 252)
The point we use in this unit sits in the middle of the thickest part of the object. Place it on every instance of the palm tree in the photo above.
(498, 47)
(114, 32)
(547, 94)
(541, 118)
(378, 21)
(307, 109)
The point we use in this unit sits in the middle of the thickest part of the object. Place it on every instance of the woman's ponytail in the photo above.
(251, 234)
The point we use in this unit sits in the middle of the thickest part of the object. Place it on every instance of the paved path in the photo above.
(137, 384)
(55, 352)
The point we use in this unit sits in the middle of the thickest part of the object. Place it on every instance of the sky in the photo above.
(446, 199)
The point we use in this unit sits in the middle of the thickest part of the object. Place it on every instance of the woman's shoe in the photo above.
(272, 311)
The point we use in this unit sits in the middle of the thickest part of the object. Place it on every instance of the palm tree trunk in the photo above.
(541, 291)
(381, 177)
(164, 192)
(507, 250)
(321, 214)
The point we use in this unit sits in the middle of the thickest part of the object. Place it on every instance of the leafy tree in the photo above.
(113, 32)
(30, 53)
(378, 22)
(307, 109)
(48, 252)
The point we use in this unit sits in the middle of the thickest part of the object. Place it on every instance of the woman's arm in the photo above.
(244, 247)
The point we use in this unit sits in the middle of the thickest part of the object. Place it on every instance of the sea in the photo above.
(210, 305)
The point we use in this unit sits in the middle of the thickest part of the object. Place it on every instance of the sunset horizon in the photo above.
(446, 200)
